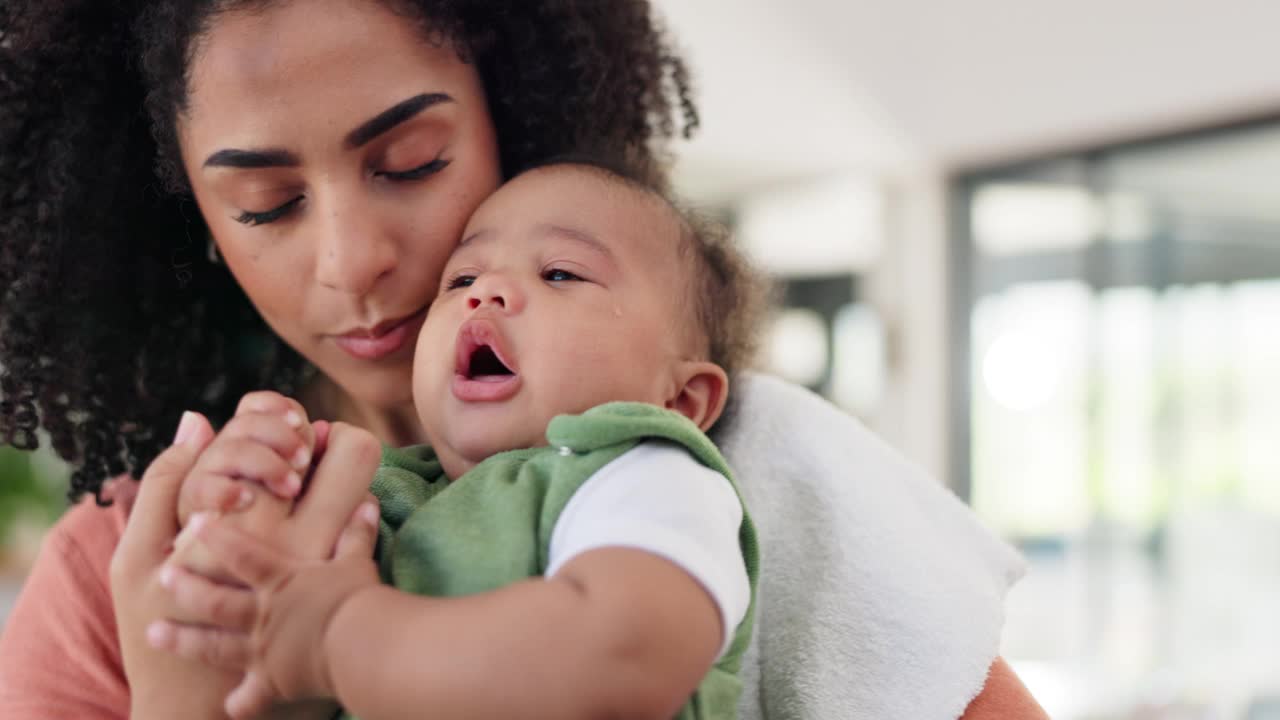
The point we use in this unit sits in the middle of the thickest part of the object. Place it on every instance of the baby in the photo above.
(581, 547)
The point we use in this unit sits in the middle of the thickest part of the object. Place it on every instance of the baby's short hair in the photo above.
(727, 295)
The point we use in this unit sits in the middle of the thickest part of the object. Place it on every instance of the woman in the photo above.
(201, 198)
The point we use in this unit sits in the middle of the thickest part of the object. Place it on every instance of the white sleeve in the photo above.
(658, 498)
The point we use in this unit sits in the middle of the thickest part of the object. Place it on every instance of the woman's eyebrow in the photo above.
(252, 159)
(393, 116)
(383, 122)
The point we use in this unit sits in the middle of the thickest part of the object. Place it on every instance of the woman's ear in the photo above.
(701, 391)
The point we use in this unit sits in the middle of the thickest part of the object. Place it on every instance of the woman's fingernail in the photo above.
(244, 498)
(302, 458)
(186, 428)
(292, 484)
(260, 405)
(167, 576)
(293, 419)
(369, 513)
(196, 522)
(158, 634)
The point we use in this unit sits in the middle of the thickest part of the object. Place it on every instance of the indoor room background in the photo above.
(1036, 247)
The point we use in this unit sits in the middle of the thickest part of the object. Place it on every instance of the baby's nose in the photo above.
(488, 299)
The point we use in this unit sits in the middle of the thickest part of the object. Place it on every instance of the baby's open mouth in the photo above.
(485, 363)
(482, 355)
(485, 369)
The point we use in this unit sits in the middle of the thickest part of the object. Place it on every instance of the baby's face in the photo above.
(565, 293)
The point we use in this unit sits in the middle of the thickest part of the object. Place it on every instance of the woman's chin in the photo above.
(379, 388)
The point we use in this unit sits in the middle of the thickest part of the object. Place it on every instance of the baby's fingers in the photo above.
(321, 430)
(242, 556)
(201, 601)
(293, 446)
(225, 649)
(213, 493)
(242, 458)
(274, 404)
(341, 479)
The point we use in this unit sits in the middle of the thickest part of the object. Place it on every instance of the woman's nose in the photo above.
(354, 252)
(495, 290)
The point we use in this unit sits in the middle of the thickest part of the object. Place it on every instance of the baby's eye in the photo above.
(558, 275)
(460, 281)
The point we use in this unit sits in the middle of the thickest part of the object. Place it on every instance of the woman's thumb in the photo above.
(194, 431)
(361, 533)
(154, 515)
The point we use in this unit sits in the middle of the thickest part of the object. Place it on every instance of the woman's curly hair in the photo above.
(112, 319)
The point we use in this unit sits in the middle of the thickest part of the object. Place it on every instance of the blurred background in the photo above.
(1036, 245)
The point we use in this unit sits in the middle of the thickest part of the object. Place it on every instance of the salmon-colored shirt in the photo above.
(59, 652)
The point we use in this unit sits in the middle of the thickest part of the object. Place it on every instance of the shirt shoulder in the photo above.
(658, 498)
(59, 653)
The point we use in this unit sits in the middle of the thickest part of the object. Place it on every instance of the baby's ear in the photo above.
(701, 390)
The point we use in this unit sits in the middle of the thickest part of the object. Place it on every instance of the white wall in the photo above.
(904, 91)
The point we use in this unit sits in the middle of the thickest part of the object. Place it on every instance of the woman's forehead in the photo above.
(317, 62)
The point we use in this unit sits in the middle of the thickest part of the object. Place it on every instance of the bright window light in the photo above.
(798, 346)
(1022, 370)
(831, 227)
(1013, 218)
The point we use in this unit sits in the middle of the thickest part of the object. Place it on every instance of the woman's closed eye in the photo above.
(251, 218)
(417, 173)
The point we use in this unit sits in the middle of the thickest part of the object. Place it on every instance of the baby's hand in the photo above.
(254, 468)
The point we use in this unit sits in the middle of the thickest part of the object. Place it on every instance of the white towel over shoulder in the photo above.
(880, 595)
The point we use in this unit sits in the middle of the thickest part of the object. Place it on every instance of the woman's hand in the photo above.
(291, 602)
(319, 524)
(159, 686)
(267, 444)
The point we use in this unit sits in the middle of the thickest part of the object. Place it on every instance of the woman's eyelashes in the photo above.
(262, 218)
(250, 218)
(417, 173)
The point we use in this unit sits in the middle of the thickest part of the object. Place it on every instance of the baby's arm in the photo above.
(645, 579)
(613, 631)
(616, 633)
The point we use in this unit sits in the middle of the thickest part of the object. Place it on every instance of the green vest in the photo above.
(492, 526)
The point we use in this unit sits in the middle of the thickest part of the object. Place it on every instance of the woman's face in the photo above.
(336, 156)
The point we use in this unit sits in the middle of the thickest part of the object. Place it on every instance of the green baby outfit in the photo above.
(492, 526)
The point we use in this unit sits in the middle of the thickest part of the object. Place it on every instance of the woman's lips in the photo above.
(388, 342)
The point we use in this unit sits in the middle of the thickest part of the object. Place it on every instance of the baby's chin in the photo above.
(462, 451)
